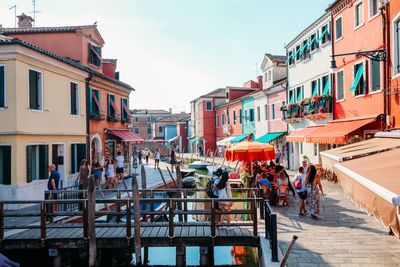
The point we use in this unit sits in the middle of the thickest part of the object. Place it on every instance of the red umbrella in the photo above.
(249, 151)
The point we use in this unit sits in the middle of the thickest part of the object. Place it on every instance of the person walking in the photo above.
(120, 166)
(83, 178)
(111, 174)
(157, 159)
(140, 155)
(299, 184)
(52, 184)
(146, 154)
(225, 192)
(173, 161)
(313, 183)
(97, 171)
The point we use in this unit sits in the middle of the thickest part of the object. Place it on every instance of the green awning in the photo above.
(268, 137)
(194, 139)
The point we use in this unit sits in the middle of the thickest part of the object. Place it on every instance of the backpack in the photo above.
(297, 183)
(209, 188)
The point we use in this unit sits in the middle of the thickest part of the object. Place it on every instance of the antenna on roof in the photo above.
(34, 12)
(15, 15)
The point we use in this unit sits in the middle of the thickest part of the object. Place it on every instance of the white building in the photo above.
(309, 77)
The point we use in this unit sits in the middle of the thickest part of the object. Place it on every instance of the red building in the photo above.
(107, 98)
(393, 33)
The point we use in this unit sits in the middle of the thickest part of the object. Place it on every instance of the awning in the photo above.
(173, 139)
(239, 138)
(268, 137)
(97, 103)
(127, 109)
(194, 139)
(115, 107)
(128, 136)
(300, 135)
(373, 182)
(223, 142)
(335, 131)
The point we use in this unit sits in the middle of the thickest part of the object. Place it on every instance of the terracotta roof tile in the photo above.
(276, 58)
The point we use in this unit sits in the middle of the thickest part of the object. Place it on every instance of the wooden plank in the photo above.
(102, 232)
(246, 232)
(192, 231)
(73, 233)
(185, 231)
(177, 231)
(207, 231)
(237, 231)
(22, 234)
(200, 231)
(147, 232)
(221, 232)
(77, 234)
(119, 231)
(163, 232)
(122, 234)
(154, 232)
(142, 229)
(231, 233)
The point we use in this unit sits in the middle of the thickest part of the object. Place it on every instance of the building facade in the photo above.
(143, 118)
(393, 53)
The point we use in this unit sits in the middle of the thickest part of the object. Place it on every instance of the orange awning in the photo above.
(335, 131)
(300, 135)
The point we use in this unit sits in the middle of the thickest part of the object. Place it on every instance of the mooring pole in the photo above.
(179, 178)
(136, 213)
(91, 221)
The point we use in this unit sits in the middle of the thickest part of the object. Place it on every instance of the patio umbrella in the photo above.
(249, 151)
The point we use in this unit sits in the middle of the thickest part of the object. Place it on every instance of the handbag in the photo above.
(297, 184)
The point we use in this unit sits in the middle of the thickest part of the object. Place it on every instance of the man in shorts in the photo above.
(119, 165)
(52, 184)
(157, 159)
(97, 171)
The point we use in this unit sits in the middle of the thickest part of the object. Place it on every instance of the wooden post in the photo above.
(212, 218)
(136, 213)
(208, 151)
(43, 224)
(180, 256)
(214, 156)
(185, 206)
(146, 256)
(128, 222)
(1, 221)
(91, 218)
(172, 178)
(162, 177)
(237, 170)
(179, 178)
(171, 218)
(255, 218)
(144, 182)
(289, 249)
(52, 208)
(223, 162)
(118, 205)
(152, 206)
(191, 156)
(126, 187)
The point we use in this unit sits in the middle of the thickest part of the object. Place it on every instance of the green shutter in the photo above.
(122, 109)
(33, 90)
(6, 165)
(80, 153)
(108, 105)
(73, 99)
(2, 87)
(91, 101)
(73, 159)
(29, 155)
(43, 162)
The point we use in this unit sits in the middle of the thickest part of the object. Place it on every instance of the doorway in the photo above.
(58, 159)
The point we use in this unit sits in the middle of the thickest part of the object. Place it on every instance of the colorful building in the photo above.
(107, 97)
(43, 118)
(143, 118)
(393, 54)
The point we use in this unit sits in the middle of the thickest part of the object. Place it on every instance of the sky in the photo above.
(173, 51)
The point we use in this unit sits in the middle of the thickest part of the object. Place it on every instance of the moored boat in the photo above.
(188, 172)
(199, 165)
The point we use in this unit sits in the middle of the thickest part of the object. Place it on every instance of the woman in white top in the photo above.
(157, 158)
(111, 174)
(225, 192)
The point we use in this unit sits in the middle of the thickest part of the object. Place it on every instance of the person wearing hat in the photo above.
(304, 162)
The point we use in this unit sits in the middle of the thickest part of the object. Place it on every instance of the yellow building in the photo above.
(42, 115)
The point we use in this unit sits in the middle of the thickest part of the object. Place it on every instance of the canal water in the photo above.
(223, 256)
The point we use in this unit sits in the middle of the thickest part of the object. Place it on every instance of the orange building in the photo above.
(394, 64)
(107, 98)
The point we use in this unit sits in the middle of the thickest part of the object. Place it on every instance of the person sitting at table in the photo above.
(265, 185)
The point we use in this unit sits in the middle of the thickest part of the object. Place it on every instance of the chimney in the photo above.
(260, 81)
(170, 110)
(24, 21)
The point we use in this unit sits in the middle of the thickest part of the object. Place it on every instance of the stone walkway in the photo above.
(343, 236)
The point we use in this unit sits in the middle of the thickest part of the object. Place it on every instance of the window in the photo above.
(154, 119)
(273, 111)
(136, 130)
(325, 85)
(324, 30)
(136, 119)
(339, 28)
(375, 75)
(266, 77)
(111, 111)
(160, 129)
(373, 8)
(5, 165)
(149, 130)
(361, 88)
(283, 103)
(269, 75)
(148, 119)
(222, 119)
(35, 90)
(359, 15)
(234, 117)
(78, 153)
(217, 121)
(315, 150)
(37, 162)
(124, 113)
(340, 85)
(227, 94)
(298, 58)
(313, 41)
(74, 98)
(299, 94)
(314, 88)
(291, 97)
(306, 52)
(228, 117)
(246, 118)
(94, 108)
(251, 114)
(266, 112)
(396, 32)
(291, 59)
(94, 55)
(3, 95)
(208, 106)
(240, 116)
(258, 114)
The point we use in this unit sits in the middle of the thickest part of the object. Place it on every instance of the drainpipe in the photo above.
(387, 59)
(384, 68)
(333, 73)
(87, 89)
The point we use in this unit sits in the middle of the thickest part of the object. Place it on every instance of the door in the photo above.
(58, 159)
(291, 156)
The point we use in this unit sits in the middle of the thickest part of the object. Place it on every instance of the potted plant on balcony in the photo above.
(306, 101)
(312, 111)
(322, 110)
(295, 115)
(283, 108)
(315, 98)
(324, 97)
(304, 113)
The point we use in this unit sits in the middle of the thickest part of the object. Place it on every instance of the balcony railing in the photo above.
(292, 113)
(315, 108)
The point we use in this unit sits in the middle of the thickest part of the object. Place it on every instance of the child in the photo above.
(111, 174)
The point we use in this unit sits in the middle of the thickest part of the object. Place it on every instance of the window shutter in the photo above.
(328, 33)
(365, 81)
(73, 99)
(6, 165)
(108, 105)
(91, 101)
(97, 93)
(80, 153)
(2, 87)
(29, 155)
(73, 159)
(43, 161)
(33, 90)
